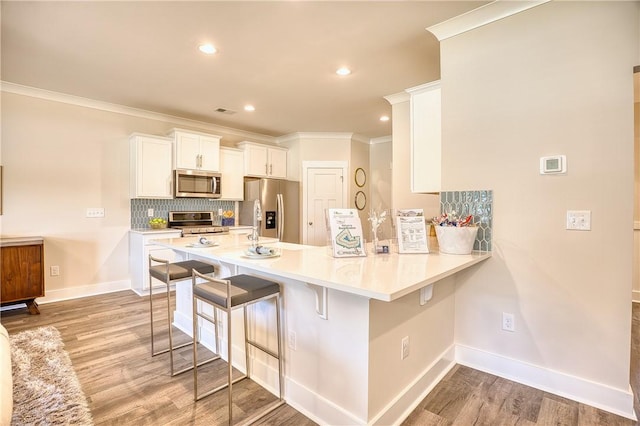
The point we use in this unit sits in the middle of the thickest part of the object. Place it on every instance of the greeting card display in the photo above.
(412, 231)
(345, 232)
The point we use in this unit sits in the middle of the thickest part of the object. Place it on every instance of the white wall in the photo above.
(380, 175)
(555, 79)
(389, 375)
(402, 197)
(58, 160)
(636, 215)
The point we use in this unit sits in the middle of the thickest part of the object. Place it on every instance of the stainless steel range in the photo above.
(195, 223)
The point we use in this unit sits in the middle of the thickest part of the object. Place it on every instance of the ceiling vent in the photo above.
(225, 111)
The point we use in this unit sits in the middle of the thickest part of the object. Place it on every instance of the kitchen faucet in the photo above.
(257, 218)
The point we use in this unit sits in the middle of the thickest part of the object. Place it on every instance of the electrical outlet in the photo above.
(95, 212)
(150, 212)
(405, 347)
(54, 270)
(508, 322)
(292, 340)
(579, 220)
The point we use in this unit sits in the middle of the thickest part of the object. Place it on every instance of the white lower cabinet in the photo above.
(140, 247)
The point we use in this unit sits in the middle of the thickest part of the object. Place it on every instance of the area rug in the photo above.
(46, 390)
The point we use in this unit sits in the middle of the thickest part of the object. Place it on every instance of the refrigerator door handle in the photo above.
(280, 204)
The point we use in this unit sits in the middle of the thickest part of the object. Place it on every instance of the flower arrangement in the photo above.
(376, 220)
(227, 218)
(452, 219)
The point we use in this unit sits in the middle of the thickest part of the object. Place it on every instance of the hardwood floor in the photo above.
(107, 338)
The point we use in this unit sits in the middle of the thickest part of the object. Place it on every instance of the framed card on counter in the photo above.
(412, 231)
(345, 232)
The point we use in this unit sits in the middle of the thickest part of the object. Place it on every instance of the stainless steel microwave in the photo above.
(196, 184)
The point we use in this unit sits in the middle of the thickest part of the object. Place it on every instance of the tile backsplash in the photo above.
(161, 208)
(476, 203)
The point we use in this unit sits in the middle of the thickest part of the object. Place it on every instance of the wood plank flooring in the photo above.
(107, 338)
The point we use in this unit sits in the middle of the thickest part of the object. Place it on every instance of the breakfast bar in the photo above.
(341, 317)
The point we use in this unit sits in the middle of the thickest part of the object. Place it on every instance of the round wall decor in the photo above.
(361, 200)
(360, 177)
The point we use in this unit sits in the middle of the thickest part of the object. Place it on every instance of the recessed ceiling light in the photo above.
(384, 118)
(208, 49)
(343, 71)
(249, 108)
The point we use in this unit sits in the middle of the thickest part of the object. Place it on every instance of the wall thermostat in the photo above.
(553, 165)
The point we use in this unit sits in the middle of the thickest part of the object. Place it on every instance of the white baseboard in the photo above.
(83, 291)
(635, 296)
(597, 395)
(323, 411)
(401, 407)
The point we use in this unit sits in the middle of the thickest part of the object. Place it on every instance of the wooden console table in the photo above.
(22, 271)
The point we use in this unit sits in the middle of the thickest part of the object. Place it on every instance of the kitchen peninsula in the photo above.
(344, 318)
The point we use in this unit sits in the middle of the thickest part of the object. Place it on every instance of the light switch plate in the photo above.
(579, 220)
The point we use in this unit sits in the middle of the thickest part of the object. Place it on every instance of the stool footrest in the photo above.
(164, 351)
(263, 349)
(271, 407)
(219, 388)
(200, 364)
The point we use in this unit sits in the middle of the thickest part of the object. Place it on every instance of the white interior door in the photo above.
(324, 187)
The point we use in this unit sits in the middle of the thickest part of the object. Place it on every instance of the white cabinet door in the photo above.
(150, 166)
(196, 151)
(255, 160)
(231, 165)
(277, 163)
(426, 138)
(210, 153)
(264, 161)
(187, 151)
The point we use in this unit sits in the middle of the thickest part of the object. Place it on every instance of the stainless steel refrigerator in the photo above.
(280, 202)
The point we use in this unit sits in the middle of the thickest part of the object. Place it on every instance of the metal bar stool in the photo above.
(169, 273)
(238, 291)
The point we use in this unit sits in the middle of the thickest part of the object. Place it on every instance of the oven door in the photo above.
(196, 184)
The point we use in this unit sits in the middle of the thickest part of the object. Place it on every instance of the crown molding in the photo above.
(481, 16)
(34, 92)
(322, 135)
(423, 87)
(381, 139)
(397, 98)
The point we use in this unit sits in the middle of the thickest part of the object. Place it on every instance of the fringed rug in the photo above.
(46, 390)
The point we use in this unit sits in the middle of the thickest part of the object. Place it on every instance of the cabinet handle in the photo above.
(270, 169)
(310, 223)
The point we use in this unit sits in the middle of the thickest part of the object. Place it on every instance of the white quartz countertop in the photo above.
(147, 231)
(384, 277)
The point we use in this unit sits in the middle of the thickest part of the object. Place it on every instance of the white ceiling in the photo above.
(279, 56)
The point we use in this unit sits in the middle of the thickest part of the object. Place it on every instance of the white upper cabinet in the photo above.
(231, 166)
(196, 151)
(264, 161)
(150, 166)
(426, 137)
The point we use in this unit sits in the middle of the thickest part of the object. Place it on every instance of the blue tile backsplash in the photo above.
(161, 208)
(476, 203)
